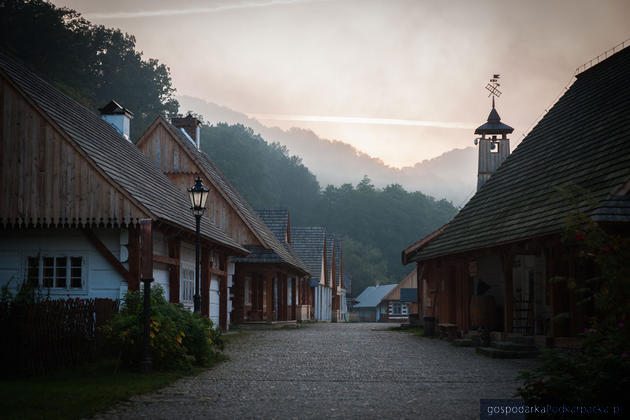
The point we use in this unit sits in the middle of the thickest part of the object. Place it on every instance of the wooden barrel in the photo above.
(482, 311)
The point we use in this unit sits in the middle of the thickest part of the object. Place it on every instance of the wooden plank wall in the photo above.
(45, 180)
(160, 147)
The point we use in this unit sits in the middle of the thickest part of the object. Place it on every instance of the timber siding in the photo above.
(46, 179)
(182, 165)
(231, 213)
(40, 123)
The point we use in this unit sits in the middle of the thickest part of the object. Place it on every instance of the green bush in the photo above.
(599, 372)
(179, 339)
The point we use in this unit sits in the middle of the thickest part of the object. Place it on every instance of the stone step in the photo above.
(463, 342)
(520, 339)
(510, 345)
(506, 354)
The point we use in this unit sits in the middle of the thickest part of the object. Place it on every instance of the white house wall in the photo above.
(214, 299)
(100, 279)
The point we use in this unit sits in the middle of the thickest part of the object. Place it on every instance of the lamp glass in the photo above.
(198, 195)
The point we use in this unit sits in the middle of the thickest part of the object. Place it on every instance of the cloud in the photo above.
(363, 120)
(196, 10)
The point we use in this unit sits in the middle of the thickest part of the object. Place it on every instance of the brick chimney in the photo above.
(118, 117)
(191, 126)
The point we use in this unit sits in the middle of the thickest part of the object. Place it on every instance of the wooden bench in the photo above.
(448, 331)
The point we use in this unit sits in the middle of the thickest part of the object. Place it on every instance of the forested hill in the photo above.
(376, 223)
(95, 64)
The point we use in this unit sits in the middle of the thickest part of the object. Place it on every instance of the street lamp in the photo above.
(198, 195)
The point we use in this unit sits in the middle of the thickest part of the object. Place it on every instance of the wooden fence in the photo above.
(40, 336)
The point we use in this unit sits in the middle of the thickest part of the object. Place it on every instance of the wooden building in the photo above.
(73, 192)
(279, 222)
(259, 279)
(371, 306)
(493, 264)
(402, 301)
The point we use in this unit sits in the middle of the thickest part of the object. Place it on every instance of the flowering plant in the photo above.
(178, 338)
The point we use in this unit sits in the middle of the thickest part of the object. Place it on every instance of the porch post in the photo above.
(238, 303)
(268, 281)
(508, 295)
(134, 258)
(173, 276)
(285, 297)
(223, 293)
(293, 298)
(205, 282)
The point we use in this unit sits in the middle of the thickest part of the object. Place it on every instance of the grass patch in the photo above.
(79, 392)
(416, 331)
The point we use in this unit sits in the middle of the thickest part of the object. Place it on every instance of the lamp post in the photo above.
(198, 195)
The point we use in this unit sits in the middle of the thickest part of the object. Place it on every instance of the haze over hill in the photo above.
(451, 176)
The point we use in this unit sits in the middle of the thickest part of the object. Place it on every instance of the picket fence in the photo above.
(40, 336)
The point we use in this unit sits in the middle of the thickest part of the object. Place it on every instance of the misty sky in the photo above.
(400, 80)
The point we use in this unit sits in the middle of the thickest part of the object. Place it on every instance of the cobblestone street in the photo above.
(334, 370)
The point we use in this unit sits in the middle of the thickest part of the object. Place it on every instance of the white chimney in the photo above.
(119, 118)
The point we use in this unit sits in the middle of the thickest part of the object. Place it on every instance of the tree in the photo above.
(91, 63)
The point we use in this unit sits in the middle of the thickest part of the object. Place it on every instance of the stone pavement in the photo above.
(356, 371)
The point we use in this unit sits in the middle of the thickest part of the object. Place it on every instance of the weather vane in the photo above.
(493, 86)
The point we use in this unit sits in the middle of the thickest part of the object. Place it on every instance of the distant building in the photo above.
(371, 306)
(402, 301)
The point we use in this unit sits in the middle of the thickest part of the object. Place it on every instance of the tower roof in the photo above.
(494, 124)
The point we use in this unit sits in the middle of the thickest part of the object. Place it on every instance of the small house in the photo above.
(371, 306)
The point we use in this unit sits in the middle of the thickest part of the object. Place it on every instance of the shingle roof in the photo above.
(277, 220)
(120, 160)
(308, 243)
(373, 295)
(615, 209)
(271, 251)
(583, 143)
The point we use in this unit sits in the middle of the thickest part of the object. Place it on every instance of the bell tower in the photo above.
(494, 145)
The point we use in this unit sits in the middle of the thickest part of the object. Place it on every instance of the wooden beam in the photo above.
(165, 260)
(205, 282)
(294, 287)
(268, 281)
(173, 278)
(106, 253)
(218, 272)
(508, 294)
(223, 294)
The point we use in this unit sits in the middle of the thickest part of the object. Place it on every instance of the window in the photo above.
(188, 284)
(396, 308)
(55, 272)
